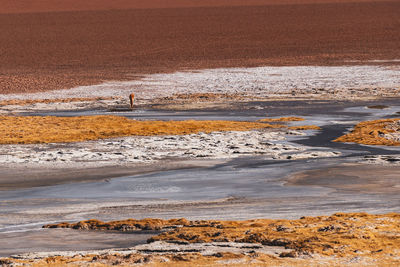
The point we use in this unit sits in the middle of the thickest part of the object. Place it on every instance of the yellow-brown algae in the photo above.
(122, 225)
(283, 119)
(50, 129)
(341, 234)
(169, 259)
(290, 119)
(305, 127)
(371, 133)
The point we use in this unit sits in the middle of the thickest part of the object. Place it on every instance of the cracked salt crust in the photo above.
(310, 81)
(120, 151)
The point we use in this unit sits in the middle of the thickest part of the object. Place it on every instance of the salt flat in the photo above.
(311, 82)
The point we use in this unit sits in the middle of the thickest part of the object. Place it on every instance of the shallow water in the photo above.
(243, 188)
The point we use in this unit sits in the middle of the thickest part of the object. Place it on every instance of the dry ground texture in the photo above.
(101, 40)
(50, 129)
(354, 239)
(378, 132)
(28, 6)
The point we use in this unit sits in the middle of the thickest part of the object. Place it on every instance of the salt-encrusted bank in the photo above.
(296, 81)
(120, 151)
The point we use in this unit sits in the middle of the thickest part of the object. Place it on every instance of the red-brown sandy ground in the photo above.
(29, 6)
(61, 44)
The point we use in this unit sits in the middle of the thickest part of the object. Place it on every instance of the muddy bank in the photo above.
(352, 178)
(48, 240)
(14, 177)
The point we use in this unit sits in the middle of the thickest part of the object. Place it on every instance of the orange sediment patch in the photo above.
(36, 129)
(48, 101)
(371, 133)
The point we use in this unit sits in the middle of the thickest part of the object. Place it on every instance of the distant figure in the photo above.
(131, 98)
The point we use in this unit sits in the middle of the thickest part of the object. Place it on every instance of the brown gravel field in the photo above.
(53, 50)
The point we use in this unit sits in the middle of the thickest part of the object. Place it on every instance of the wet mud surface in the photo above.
(49, 240)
